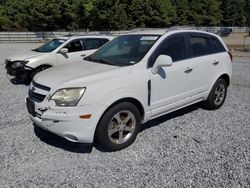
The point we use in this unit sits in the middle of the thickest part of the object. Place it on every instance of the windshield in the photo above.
(124, 50)
(50, 46)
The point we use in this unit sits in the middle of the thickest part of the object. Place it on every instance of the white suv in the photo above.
(25, 64)
(129, 81)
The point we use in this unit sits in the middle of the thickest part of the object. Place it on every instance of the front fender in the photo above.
(39, 61)
(126, 93)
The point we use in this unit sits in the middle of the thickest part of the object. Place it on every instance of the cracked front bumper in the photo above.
(66, 121)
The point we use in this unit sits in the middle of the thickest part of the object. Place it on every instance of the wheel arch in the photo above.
(44, 65)
(131, 100)
(226, 78)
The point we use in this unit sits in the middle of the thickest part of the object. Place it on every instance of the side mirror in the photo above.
(64, 50)
(161, 61)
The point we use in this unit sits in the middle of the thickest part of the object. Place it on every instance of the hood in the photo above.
(78, 74)
(23, 55)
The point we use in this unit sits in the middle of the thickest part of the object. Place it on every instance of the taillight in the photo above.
(230, 55)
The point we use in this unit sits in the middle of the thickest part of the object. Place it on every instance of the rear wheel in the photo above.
(118, 127)
(217, 95)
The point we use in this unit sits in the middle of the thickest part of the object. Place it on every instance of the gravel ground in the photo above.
(189, 148)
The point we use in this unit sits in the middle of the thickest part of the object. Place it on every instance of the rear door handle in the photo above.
(83, 55)
(188, 70)
(216, 63)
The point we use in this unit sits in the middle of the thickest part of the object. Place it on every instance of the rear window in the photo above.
(200, 46)
(217, 45)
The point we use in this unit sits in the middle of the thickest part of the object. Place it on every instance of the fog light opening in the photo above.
(71, 138)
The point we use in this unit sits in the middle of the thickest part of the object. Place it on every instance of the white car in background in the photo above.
(129, 81)
(25, 64)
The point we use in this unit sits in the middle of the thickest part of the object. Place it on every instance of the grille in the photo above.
(36, 96)
(40, 86)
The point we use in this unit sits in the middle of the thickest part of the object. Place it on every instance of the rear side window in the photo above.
(200, 45)
(90, 44)
(173, 46)
(217, 45)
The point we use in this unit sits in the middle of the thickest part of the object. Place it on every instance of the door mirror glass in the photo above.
(64, 50)
(161, 61)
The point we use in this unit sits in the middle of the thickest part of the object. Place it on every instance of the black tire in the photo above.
(109, 123)
(217, 95)
(39, 69)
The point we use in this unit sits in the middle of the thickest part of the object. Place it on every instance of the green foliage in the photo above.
(235, 12)
(203, 12)
(41, 15)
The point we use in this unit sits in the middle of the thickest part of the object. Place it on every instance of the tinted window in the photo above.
(217, 45)
(173, 46)
(75, 46)
(91, 44)
(200, 45)
(104, 41)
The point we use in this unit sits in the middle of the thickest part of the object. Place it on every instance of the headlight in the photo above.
(18, 64)
(68, 96)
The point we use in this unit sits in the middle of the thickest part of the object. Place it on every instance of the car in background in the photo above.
(127, 82)
(224, 31)
(24, 65)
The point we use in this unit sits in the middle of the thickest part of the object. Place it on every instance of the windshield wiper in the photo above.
(106, 62)
(89, 58)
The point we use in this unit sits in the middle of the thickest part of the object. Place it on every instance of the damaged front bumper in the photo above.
(66, 121)
(22, 73)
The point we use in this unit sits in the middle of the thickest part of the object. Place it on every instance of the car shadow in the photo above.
(172, 115)
(16, 81)
(59, 142)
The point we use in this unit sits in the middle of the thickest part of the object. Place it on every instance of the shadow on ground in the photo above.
(59, 142)
(16, 81)
(172, 115)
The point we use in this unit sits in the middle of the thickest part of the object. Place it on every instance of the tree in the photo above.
(205, 13)
(234, 12)
(152, 13)
(182, 12)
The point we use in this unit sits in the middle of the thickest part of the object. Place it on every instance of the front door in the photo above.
(75, 52)
(172, 85)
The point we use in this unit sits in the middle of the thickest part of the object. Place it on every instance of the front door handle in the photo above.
(216, 63)
(188, 70)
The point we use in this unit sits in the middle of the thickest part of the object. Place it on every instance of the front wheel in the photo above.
(217, 95)
(118, 127)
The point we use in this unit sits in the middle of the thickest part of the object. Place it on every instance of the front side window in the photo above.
(173, 46)
(50, 46)
(75, 46)
(200, 46)
(124, 50)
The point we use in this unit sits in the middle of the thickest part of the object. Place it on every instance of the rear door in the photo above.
(203, 61)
